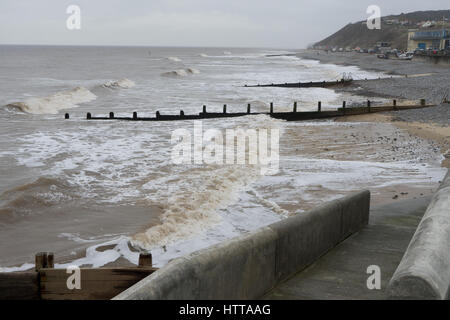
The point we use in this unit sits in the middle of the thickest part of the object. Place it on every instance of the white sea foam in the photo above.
(25, 266)
(55, 102)
(98, 259)
(174, 59)
(181, 72)
(187, 213)
(123, 83)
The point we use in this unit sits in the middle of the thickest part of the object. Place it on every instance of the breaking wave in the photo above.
(188, 213)
(40, 194)
(123, 83)
(55, 102)
(181, 72)
(175, 59)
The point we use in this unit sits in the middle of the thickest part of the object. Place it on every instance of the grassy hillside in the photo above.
(358, 35)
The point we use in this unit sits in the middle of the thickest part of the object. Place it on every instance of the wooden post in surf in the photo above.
(224, 108)
(204, 109)
(271, 107)
(111, 115)
(145, 260)
(422, 102)
(394, 102)
(368, 105)
(50, 260)
(40, 260)
(157, 114)
(181, 114)
(44, 260)
(343, 106)
(319, 106)
(248, 108)
(295, 106)
(88, 116)
(135, 115)
(66, 116)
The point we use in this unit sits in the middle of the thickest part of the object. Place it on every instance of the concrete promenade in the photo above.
(341, 273)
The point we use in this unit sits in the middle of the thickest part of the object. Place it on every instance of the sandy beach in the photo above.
(424, 81)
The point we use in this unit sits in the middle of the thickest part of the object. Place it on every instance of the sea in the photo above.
(94, 192)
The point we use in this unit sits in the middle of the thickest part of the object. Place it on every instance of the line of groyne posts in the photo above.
(368, 108)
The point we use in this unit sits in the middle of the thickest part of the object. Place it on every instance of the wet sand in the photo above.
(434, 132)
(424, 81)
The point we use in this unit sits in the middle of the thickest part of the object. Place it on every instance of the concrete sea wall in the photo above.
(440, 60)
(249, 266)
(424, 271)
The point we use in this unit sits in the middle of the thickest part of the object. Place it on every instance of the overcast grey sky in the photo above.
(227, 23)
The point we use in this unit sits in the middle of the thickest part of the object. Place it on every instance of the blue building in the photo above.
(429, 39)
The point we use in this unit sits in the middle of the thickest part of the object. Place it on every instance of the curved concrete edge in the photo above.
(242, 268)
(249, 266)
(424, 271)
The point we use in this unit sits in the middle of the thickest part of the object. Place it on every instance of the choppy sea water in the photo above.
(74, 184)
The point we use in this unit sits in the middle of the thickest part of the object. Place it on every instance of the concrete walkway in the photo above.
(341, 273)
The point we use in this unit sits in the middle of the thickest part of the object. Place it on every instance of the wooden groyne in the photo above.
(293, 115)
(47, 283)
(311, 84)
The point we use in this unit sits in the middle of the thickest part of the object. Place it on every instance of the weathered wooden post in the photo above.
(181, 114)
(343, 106)
(50, 260)
(66, 116)
(145, 260)
(158, 114)
(135, 115)
(422, 102)
(224, 108)
(88, 116)
(395, 103)
(319, 106)
(40, 260)
(368, 105)
(248, 108)
(204, 109)
(295, 106)
(111, 115)
(271, 107)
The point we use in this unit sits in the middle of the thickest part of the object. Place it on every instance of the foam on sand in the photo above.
(55, 102)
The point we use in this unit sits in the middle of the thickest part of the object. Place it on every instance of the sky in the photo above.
(286, 24)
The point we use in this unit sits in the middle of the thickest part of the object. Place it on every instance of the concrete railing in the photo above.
(249, 266)
(424, 271)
